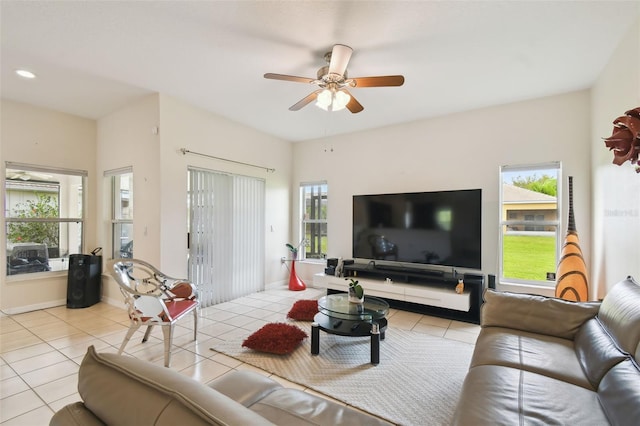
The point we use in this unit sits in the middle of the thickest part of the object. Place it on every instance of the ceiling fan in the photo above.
(333, 83)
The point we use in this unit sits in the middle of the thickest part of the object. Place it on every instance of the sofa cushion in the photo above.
(596, 351)
(546, 355)
(536, 314)
(497, 395)
(296, 408)
(620, 314)
(122, 390)
(244, 387)
(619, 393)
(286, 406)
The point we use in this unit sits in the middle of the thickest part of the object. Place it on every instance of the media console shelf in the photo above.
(428, 292)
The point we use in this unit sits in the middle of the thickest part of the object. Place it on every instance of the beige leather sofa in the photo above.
(120, 390)
(545, 361)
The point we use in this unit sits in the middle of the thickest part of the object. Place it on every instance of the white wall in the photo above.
(616, 200)
(126, 138)
(129, 138)
(453, 152)
(460, 151)
(39, 136)
(185, 126)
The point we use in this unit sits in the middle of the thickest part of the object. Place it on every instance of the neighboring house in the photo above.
(21, 190)
(523, 204)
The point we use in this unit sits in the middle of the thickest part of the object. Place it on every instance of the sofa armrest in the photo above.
(535, 314)
(75, 414)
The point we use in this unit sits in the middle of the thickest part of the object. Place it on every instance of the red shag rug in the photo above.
(275, 338)
(303, 310)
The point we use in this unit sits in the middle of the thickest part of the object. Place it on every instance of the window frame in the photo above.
(80, 220)
(115, 200)
(304, 221)
(535, 224)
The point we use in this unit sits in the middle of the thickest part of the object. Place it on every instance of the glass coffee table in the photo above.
(336, 315)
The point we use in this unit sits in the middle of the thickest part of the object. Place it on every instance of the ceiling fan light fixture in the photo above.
(333, 92)
(331, 100)
(25, 74)
(324, 99)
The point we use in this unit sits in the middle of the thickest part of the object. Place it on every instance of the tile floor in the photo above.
(40, 351)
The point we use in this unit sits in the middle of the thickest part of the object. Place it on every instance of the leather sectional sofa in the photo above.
(121, 390)
(546, 361)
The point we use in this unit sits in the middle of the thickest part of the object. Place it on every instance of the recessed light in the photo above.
(25, 74)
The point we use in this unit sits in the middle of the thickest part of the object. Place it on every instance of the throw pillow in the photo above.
(275, 338)
(303, 310)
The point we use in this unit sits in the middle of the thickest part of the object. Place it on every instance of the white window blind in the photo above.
(226, 235)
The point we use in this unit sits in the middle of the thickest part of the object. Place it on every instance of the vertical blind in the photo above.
(226, 228)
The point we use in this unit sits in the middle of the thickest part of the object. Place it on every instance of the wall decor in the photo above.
(625, 139)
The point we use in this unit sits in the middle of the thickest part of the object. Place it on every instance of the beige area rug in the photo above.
(417, 382)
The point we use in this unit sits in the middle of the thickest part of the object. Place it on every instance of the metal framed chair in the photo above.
(153, 298)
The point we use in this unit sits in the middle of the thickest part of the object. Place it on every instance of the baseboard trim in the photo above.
(34, 307)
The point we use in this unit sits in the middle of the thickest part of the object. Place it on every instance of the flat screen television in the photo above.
(426, 228)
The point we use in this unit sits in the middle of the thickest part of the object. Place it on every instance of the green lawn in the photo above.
(528, 257)
(323, 247)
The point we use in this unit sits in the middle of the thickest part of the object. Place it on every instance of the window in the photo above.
(121, 185)
(313, 205)
(529, 223)
(44, 211)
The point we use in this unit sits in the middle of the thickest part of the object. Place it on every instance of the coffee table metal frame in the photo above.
(336, 315)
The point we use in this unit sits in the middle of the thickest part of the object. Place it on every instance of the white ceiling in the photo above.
(94, 57)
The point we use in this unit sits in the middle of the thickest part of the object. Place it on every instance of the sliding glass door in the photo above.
(226, 235)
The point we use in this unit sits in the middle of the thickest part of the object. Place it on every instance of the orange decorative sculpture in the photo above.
(625, 139)
(572, 283)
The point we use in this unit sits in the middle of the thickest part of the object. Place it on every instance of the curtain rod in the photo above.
(185, 151)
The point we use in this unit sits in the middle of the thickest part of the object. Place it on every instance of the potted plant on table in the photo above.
(356, 292)
(293, 250)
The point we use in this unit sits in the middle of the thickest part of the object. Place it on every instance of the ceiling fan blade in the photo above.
(380, 81)
(340, 56)
(305, 101)
(288, 78)
(353, 105)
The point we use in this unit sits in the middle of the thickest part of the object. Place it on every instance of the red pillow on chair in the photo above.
(182, 290)
(303, 310)
(275, 338)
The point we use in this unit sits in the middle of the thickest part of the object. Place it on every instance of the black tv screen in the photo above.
(432, 228)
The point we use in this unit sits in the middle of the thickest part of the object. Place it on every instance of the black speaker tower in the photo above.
(84, 282)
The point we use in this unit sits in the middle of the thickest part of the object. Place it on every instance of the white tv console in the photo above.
(415, 293)
(431, 296)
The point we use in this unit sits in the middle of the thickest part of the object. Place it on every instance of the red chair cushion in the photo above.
(179, 307)
(182, 290)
